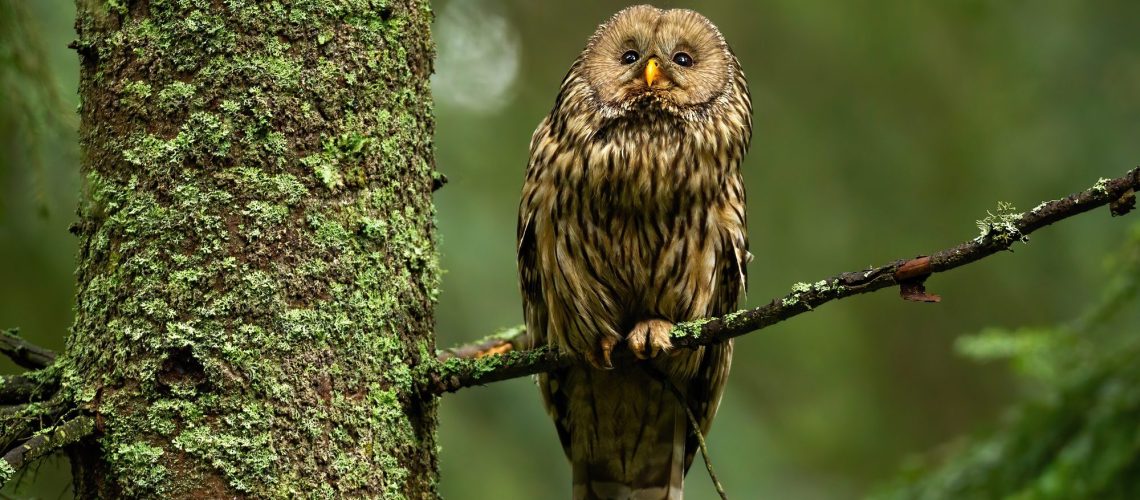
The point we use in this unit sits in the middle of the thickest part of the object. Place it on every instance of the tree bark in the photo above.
(257, 269)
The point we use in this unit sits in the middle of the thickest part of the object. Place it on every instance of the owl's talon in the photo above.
(600, 358)
(649, 338)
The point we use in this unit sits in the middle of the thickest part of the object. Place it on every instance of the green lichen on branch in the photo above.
(45, 441)
(19, 423)
(1000, 226)
(1101, 185)
(800, 291)
(688, 329)
(238, 306)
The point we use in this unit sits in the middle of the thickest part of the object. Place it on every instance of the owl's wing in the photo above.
(530, 276)
(708, 386)
(535, 311)
(530, 283)
(535, 314)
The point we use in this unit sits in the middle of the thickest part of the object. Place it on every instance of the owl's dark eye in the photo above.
(630, 57)
(683, 59)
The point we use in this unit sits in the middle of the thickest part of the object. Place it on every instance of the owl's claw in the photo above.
(650, 337)
(600, 358)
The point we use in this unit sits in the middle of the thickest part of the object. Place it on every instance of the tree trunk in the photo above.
(257, 268)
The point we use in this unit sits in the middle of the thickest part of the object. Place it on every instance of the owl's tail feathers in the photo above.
(651, 471)
(603, 487)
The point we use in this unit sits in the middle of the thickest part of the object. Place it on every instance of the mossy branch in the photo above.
(43, 443)
(26, 388)
(24, 353)
(500, 359)
(32, 407)
(18, 423)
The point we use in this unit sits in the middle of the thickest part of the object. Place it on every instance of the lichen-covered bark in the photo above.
(257, 270)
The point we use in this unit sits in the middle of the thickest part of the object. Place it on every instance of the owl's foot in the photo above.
(600, 357)
(650, 337)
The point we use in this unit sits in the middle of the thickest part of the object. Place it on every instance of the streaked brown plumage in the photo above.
(632, 219)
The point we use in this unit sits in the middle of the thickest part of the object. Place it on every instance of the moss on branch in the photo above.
(44, 442)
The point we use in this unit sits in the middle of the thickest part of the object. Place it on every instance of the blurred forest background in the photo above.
(884, 128)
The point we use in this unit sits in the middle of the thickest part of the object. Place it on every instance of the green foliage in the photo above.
(1079, 438)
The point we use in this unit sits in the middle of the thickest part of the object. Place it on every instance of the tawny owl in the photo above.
(632, 219)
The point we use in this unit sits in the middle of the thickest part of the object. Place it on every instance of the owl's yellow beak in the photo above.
(651, 71)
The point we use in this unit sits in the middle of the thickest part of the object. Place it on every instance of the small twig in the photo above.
(693, 422)
(45, 442)
(17, 389)
(25, 353)
(21, 389)
(456, 373)
(438, 180)
(18, 423)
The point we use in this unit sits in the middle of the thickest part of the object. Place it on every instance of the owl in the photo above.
(632, 219)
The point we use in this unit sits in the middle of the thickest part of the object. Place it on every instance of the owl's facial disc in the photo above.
(647, 59)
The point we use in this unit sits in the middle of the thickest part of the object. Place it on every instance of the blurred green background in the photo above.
(883, 129)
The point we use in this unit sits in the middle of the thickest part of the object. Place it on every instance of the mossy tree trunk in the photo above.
(257, 268)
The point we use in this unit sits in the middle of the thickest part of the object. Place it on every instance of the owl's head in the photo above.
(644, 58)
